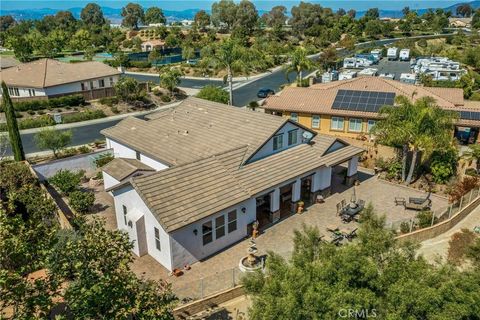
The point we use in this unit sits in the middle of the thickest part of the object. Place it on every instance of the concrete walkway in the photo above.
(437, 248)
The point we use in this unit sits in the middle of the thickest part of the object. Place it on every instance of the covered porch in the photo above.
(283, 201)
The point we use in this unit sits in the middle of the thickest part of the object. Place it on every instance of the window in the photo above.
(292, 137)
(137, 155)
(294, 116)
(14, 92)
(355, 125)
(91, 85)
(315, 121)
(111, 82)
(157, 239)
(207, 232)
(83, 86)
(10, 91)
(31, 92)
(336, 123)
(124, 214)
(219, 227)
(17, 92)
(101, 83)
(278, 142)
(370, 125)
(232, 221)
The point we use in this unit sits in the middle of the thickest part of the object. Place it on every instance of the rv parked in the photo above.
(329, 76)
(377, 53)
(371, 72)
(392, 53)
(404, 54)
(387, 75)
(347, 74)
(356, 63)
(409, 78)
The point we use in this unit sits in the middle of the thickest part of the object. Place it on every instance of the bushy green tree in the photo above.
(443, 164)
(129, 90)
(132, 15)
(154, 15)
(246, 19)
(202, 19)
(66, 181)
(53, 139)
(170, 79)
(81, 201)
(224, 14)
(213, 93)
(92, 14)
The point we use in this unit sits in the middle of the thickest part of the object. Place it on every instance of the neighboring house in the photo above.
(49, 78)
(460, 22)
(218, 170)
(350, 108)
(152, 44)
(8, 62)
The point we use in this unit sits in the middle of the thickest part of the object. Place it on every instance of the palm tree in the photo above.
(228, 55)
(298, 62)
(473, 154)
(170, 79)
(419, 127)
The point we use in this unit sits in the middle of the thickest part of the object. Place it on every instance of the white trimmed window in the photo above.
(278, 142)
(124, 209)
(101, 83)
(219, 227)
(336, 123)
(31, 92)
(355, 125)
(157, 239)
(111, 82)
(207, 232)
(232, 221)
(292, 136)
(315, 121)
(370, 125)
(84, 87)
(294, 116)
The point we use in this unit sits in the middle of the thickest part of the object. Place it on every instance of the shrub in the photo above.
(83, 149)
(141, 64)
(84, 116)
(165, 98)
(34, 105)
(213, 93)
(253, 105)
(82, 201)
(405, 227)
(18, 115)
(68, 152)
(461, 188)
(29, 123)
(109, 101)
(103, 159)
(129, 90)
(471, 172)
(66, 181)
(425, 218)
(458, 246)
(443, 165)
(392, 167)
(52, 139)
(115, 110)
(31, 112)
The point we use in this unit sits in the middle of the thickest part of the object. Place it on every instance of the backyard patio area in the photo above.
(220, 271)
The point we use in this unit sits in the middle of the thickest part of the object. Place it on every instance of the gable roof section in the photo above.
(187, 193)
(195, 129)
(319, 98)
(45, 73)
(121, 168)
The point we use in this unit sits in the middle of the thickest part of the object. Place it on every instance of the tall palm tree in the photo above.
(298, 62)
(228, 55)
(419, 127)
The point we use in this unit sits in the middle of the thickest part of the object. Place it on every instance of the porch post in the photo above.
(352, 171)
(296, 194)
(275, 204)
(321, 183)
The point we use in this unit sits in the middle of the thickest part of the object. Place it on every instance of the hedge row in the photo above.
(47, 120)
(66, 101)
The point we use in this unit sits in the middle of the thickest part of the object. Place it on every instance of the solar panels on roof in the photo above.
(470, 115)
(365, 101)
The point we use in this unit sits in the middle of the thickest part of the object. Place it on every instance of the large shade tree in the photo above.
(132, 15)
(418, 127)
(375, 277)
(154, 15)
(92, 14)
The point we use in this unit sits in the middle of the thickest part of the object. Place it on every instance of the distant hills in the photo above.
(113, 14)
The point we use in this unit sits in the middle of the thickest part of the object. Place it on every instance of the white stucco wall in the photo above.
(122, 151)
(24, 93)
(76, 86)
(188, 248)
(129, 197)
(108, 180)
(267, 148)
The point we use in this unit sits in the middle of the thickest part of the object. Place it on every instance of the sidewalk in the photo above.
(101, 120)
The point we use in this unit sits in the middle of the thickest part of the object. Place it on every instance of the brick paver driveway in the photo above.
(217, 270)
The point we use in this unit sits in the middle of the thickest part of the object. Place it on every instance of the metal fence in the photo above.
(438, 215)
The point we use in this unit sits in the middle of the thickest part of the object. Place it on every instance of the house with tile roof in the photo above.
(191, 180)
(350, 108)
(49, 78)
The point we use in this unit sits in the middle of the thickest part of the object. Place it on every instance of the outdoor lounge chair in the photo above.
(418, 204)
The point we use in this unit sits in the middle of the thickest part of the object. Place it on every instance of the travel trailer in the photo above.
(404, 54)
(392, 53)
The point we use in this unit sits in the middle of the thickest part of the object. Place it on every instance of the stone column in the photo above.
(275, 205)
(296, 194)
(352, 171)
(322, 180)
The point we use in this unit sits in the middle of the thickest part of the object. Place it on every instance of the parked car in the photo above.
(265, 92)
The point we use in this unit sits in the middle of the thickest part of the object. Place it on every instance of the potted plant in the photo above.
(300, 206)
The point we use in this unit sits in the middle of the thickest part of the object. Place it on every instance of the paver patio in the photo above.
(220, 270)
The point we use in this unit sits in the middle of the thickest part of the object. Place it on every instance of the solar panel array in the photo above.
(365, 101)
(469, 115)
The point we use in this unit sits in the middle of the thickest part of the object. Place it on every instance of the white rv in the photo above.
(347, 74)
(404, 54)
(377, 53)
(329, 76)
(356, 63)
(370, 72)
(387, 75)
(409, 78)
(392, 53)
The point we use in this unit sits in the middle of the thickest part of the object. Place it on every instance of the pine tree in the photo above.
(13, 133)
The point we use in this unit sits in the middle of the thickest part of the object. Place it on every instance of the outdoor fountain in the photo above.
(251, 262)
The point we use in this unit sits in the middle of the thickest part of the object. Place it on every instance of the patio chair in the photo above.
(419, 204)
(349, 236)
(399, 201)
(344, 203)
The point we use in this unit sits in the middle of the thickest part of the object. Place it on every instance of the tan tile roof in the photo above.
(120, 168)
(319, 98)
(49, 72)
(184, 194)
(195, 129)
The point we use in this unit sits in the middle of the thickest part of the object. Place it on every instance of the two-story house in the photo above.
(191, 180)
